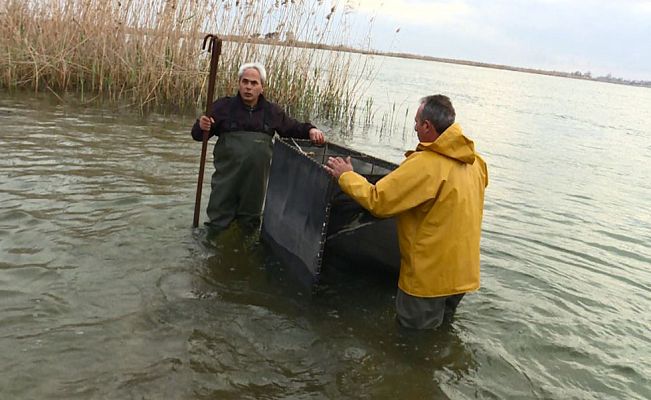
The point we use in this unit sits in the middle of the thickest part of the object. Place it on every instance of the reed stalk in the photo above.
(147, 53)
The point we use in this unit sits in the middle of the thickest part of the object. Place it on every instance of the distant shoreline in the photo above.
(573, 75)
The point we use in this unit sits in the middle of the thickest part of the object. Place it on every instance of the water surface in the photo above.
(107, 291)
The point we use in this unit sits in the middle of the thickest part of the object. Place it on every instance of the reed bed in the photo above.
(147, 53)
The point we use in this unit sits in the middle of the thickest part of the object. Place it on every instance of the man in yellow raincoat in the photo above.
(437, 194)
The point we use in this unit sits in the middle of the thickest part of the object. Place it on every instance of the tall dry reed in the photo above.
(147, 53)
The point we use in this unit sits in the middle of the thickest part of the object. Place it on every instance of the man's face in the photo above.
(250, 86)
(420, 126)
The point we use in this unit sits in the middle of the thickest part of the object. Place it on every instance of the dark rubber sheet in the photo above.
(307, 217)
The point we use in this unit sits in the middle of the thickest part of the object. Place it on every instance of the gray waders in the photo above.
(242, 160)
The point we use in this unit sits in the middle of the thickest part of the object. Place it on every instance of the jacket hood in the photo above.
(451, 143)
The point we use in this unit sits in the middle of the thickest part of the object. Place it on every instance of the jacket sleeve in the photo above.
(288, 126)
(197, 133)
(406, 187)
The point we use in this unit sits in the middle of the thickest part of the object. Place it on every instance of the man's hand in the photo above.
(205, 123)
(316, 136)
(337, 166)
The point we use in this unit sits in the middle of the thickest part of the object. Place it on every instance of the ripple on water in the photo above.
(100, 270)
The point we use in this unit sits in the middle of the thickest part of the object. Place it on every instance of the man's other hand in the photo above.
(337, 166)
(205, 123)
(316, 136)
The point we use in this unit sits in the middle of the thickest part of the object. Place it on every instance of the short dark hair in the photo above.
(438, 110)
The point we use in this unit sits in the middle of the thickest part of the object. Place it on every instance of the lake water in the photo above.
(107, 291)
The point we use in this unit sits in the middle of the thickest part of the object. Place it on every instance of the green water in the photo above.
(107, 291)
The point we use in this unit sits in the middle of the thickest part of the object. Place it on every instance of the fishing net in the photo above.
(307, 217)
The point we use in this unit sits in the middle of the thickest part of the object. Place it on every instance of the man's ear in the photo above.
(431, 129)
(429, 126)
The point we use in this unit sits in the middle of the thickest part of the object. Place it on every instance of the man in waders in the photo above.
(245, 125)
(437, 194)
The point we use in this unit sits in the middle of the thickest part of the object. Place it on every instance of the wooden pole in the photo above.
(215, 48)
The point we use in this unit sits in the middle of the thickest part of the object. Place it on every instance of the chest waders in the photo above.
(242, 160)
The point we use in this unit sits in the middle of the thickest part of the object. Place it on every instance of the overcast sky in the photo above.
(586, 35)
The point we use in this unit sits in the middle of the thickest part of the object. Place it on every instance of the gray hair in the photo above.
(255, 65)
(438, 110)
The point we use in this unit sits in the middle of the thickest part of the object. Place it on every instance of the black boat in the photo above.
(307, 218)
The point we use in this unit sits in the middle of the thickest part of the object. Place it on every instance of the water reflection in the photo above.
(276, 338)
(108, 293)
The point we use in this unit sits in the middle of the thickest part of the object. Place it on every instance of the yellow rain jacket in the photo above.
(437, 194)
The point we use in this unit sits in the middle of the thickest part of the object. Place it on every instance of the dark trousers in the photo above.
(239, 183)
(425, 312)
